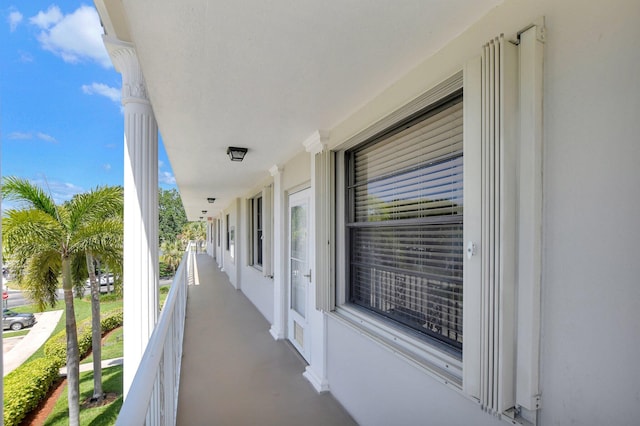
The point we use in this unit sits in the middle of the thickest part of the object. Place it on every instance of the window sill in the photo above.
(436, 362)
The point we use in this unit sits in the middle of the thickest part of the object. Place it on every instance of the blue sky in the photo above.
(60, 115)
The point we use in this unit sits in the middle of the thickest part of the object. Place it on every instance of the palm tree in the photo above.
(172, 252)
(45, 241)
(109, 251)
(193, 231)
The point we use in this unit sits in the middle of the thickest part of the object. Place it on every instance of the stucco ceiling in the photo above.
(266, 74)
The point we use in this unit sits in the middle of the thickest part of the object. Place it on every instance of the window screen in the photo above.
(405, 223)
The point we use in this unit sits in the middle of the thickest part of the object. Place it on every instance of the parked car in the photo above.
(105, 279)
(15, 321)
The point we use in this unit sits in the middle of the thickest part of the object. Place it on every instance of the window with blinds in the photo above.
(404, 223)
(256, 230)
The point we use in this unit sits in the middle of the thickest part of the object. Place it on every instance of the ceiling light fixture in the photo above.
(210, 200)
(236, 154)
(204, 212)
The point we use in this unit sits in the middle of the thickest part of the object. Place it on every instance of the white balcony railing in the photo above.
(152, 398)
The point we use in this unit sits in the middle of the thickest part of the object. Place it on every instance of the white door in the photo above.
(300, 291)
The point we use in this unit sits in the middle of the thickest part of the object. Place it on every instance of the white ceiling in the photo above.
(266, 74)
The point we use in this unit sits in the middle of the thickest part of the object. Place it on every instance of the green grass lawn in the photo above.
(111, 348)
(82, 309)
(98, 416)
(111, 377)
(10, 333)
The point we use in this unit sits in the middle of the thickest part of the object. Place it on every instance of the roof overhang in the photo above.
(268, 75)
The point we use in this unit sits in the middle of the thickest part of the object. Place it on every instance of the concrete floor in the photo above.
(234, 373)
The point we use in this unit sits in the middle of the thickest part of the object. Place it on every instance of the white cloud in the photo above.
(45, 137)
(32, 135)
(44, 20)
(60, 191)
(14, 19)
(25, 57)
(20, 136)
(166, 178)
(106, 167)
(160, 164)
(102, 90)
(74, 37)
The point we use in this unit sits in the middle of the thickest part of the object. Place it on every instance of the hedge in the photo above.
(29, 384)
(26, 386)
(56, 346)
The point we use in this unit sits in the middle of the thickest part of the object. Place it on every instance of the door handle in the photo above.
(308, 275)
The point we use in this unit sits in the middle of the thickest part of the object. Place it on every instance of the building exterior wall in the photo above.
(590, 339)
(257, 287)
(231, 261)
(590, 292)
(297, 172)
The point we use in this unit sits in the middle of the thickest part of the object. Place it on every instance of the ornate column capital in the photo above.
(275, 170)
(125, 59)
(317, 142)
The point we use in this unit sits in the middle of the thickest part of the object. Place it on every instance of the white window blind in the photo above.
(405, 223)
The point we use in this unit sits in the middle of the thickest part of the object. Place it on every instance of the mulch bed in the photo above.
(38, 416)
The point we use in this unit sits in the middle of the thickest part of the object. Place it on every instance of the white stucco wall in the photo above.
(259, 290)
(297, 171)
(255, 286)
(379, 390)
(591, 280)
(230, 264)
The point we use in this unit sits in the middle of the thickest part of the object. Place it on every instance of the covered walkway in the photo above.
(234, 373)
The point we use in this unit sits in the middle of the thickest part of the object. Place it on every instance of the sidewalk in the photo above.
(106, 363)
(45, 324)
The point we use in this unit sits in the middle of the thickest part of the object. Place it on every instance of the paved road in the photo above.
(16, 298)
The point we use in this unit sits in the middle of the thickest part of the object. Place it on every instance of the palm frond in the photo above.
(40, 278)
(100, 203)
(30, 228)
(79, 273)
(23, 191)
(99, 237)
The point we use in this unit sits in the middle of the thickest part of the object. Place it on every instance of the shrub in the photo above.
(56, 346)
(26, 386)
(110, 297)
(165, 270)
(111, 320)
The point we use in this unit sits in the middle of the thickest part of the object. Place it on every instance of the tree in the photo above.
(47, 242)
(171, 215)
(193, 231)
(109, 253)
(172, 252)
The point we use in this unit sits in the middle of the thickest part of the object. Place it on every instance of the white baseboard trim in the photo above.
(276, 333)
(320, 385)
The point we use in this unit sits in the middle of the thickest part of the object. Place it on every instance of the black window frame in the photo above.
(396, 318)
(257, 230)
(228, 233)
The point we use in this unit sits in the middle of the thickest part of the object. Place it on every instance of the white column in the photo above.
(316, 371)
(279, 238)
(140, 208)
(1, 337)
